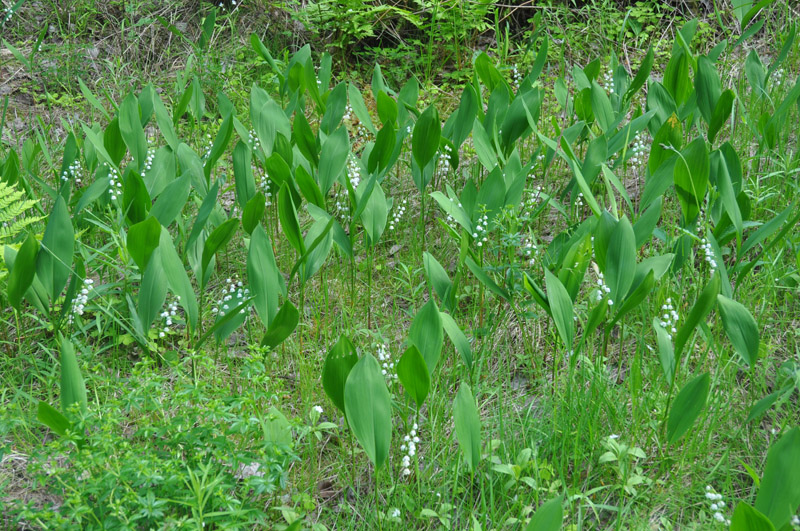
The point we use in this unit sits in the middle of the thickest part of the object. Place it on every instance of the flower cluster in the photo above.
(233, 295)
(579, 201)
(80, 301)
(7, 13)
(516, 76)
(266, 185)
(114, 182)
(252, 138)
(354, 171)
(409, 449)
(385, 359)
(448, 154)
(398, 214)
(167, 315)
(602, 289)
(209, 144)
(341, 205)
(669, 319)
(717, 505)
(75, 171)
(481, 230)
(705, 246)
(608, 80)
(795, 521)
(529, 249)
(148, 161)
(638, 151)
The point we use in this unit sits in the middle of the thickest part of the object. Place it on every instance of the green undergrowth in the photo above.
(562, 295)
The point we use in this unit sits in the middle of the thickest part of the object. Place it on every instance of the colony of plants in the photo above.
(536, 291)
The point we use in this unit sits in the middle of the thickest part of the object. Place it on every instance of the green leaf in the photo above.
(621, 260)
(561, 308)
(691, 178)
(468, 426)
(55, 255)
(177, 279)
(687, 407)
(21, 276)
(333, 158)
(484, 279)
(722, 110)
(601, 107)
(52, 418)
(702, 306)
(636, 296)
(360, 108)
(458, 338)
(170, 203)
(427, 335)
(413, 374)
(305, 140)
(746, 518)
(339, 362)
(143, 238)
(288, 218)
(152, 292)
(425, 138)
(216, 241)
(548, 517)
(243, 173)
(779, 494)
(666, 353)
(282, 325)
(707, 87)
(130, 127)
(253, 211)
(266, 281)
(73, 389)
(740, 327)
(368, 407)
(438, 278)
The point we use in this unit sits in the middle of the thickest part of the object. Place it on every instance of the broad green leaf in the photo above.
(720, 114)
(548, 517)
(55, 255)
(152, 291)
(707, 87)
(687, 407)
(458, 338)
(253, 212)
(746, 518)
(484, 279)
(368, 407)
(305, 140)
(243, 174)
(427, 335)
(360, 108)
(171, 202)
(130, 127)
(666, 353)
(621, 260)
(217, 241)
(142, 240)
(21, 276)
(333, 158)
(308, 187)
(177, 278)
(740, 327)
(644, 226)
(425, 138)
(136, 202)
(702, 306)
(438, 278)
(282, 325)
(340, 360)
(636, 296)
(52, 418)
(73, 390)
(413, 374)
(561, 308)
(375, 215)
(288, 217)
(779, 494)
(265, 280)
(691, 178)
(468, 426)
(601, 107)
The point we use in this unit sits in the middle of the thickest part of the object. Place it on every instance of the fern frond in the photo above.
(13, 207)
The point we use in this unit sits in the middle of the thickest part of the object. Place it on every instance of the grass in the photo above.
(227, 434)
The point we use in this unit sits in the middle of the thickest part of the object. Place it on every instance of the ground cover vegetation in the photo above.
(433, 265)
